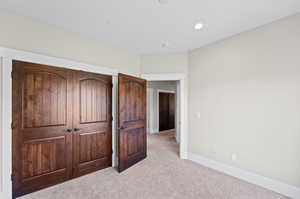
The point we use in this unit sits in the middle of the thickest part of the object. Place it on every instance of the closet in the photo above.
(62, 125)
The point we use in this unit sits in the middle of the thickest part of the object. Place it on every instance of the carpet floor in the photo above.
(162, 175)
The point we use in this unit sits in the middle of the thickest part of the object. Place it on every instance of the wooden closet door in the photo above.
(164, 115)
(132, 135)
(42, 119)
(92, 122)
(166, 111)
(171, 111)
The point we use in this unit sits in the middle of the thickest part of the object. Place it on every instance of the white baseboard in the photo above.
(152, 131)
(184, 155)
(276, 186)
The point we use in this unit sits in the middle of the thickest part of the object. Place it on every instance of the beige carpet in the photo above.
(162, 175)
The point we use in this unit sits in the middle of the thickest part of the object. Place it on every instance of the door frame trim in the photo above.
(7, 56)
(157, 107)
(182, 78)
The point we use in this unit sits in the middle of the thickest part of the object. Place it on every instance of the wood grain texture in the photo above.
(92, 149)
(61, 125)
(132, 138)
(93, 100)
(42, 111)
(44, 156)
(44, 99)
(166, 111)
(172, 111)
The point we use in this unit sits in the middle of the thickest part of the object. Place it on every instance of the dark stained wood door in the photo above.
(42, 123)
(92, 122)
(171, 111)
(132, 137)
(166, 111)
(163, 111)
(62, 125)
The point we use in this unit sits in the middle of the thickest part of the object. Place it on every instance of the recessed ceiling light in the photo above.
(198, 26)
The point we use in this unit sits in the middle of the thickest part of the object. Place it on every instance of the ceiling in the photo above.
(148, 26)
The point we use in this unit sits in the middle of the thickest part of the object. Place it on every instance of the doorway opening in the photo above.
(163, 112)
(181, 118)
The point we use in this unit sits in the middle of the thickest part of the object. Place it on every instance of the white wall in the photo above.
(24, 33)
(165, 63)
(152, 102)
(1, 126)
(178, 112)
(168, 63)
(247, 91)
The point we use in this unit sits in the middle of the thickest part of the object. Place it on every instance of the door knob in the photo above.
(121, 128)
(76, 129)
(69, 130)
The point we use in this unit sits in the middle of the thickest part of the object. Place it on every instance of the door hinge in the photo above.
(12, 74)
(12, 177)
(12, 125)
